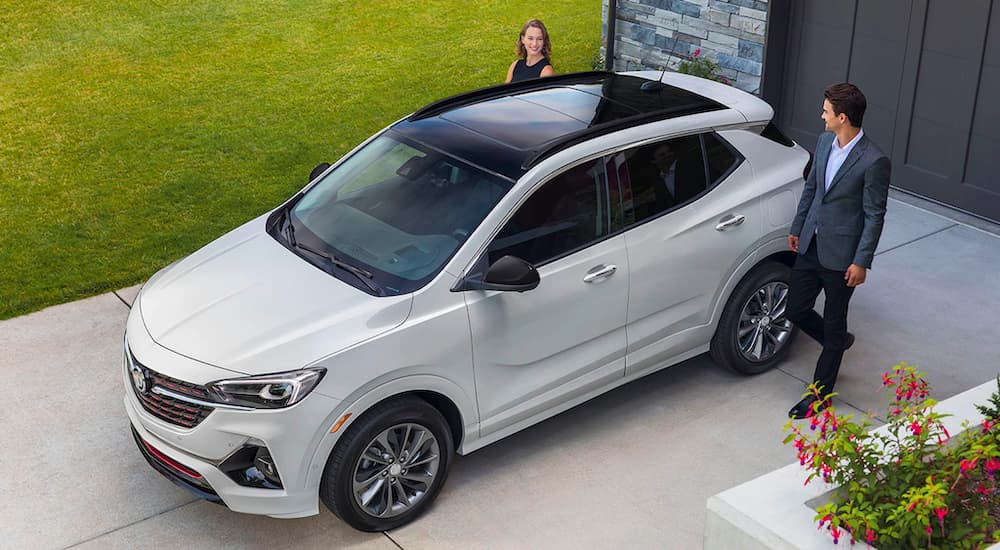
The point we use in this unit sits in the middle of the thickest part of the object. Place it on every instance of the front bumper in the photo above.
(191, 457)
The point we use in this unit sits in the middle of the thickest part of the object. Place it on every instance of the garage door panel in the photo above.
(935, 148)
(984, 165)
(931, 72)
(956, 28)
(884, 20)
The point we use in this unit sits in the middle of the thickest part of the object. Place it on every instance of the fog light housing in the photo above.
(265, 465)
(252, 466)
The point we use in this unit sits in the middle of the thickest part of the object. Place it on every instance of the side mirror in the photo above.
(509, 274)
(320, 168)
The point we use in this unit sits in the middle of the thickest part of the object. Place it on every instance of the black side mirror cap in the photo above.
(320, 168)
(508, 274)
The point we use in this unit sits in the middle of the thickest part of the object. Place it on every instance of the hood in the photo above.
(246, 303)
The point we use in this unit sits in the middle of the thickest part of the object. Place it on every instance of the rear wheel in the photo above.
(389, 465)
(754, 334)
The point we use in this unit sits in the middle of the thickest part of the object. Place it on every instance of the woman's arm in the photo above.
(547, 71)
(510, 72)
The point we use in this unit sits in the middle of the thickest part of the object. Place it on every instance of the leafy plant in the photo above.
(992, 412)
(908, 486)
(597, 62)
(703, 67)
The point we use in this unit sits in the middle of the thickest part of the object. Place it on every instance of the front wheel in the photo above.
(754, 334)
(389, 465)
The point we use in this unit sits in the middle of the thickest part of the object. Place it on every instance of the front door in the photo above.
(536, 351)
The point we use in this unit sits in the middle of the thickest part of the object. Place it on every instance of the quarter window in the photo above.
(565, 214)
(722, 158)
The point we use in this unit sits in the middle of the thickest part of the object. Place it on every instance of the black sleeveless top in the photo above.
(523, 72)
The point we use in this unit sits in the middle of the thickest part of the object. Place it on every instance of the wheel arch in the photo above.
(440, 393)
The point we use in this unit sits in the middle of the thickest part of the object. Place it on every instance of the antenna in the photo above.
(657, 85)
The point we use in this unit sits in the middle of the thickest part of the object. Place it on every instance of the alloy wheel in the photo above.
(763, 329)
(396, 470)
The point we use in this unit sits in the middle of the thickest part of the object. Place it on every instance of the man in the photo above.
(677, 182)
(836, 229)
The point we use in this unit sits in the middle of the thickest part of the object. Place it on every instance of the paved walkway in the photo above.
(630, 469)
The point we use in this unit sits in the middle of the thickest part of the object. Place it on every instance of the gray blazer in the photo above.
(846, 220)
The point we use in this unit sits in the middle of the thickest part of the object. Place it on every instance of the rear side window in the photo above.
(661, 176)
(566, 214)
(722, 158)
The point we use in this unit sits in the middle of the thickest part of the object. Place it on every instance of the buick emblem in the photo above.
(138, 378)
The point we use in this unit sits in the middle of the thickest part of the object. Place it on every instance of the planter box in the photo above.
(775, 510)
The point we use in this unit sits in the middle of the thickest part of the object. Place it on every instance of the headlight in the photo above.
(267, 391)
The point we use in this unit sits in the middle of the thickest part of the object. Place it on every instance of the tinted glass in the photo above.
(722, 158)
(395, 210)
(660, 176)
(567, 213)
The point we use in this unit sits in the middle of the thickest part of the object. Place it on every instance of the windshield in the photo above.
(394, 211)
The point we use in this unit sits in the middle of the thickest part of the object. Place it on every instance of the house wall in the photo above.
(658, 34)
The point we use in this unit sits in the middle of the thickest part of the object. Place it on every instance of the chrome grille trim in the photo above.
(180, 397)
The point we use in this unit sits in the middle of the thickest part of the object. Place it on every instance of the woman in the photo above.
(534, 49)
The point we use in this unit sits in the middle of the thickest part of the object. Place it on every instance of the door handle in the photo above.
(730, 221)
(599, 273)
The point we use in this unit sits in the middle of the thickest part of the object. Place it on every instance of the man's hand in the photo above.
(793, 243)
(855, 275)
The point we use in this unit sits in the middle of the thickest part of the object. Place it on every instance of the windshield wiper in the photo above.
(364, 276)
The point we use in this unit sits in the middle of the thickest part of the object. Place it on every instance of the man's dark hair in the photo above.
(847, 98)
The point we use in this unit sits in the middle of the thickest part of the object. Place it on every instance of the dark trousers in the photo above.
(830, 330)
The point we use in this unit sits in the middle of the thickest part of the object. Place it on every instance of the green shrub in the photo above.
(908, 486)
(703, 67)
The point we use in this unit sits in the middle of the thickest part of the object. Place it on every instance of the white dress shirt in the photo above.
(838, 155)
(669, 178)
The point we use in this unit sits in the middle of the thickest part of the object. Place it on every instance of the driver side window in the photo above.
(566, 214)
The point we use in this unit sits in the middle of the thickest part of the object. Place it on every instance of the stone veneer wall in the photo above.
(658, 34)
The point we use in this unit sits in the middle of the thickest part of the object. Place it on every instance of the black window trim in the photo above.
(480, 258)
(739, 160)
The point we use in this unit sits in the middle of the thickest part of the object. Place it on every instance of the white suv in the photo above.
(483, 264)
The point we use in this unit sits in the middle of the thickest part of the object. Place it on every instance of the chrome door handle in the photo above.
(730, 221)
(599, 273)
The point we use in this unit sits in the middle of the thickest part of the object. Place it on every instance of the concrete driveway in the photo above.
(632, 468)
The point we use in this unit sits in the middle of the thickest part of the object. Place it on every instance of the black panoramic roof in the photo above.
(509, 128)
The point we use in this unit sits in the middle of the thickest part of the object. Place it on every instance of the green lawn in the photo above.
(132, 133)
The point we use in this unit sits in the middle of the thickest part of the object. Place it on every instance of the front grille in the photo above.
(165, 407)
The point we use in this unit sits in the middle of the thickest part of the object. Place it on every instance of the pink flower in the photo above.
(869, 535)
(964, 464)
(916, 428)
(696, 52)
(941, 512)
(992, 464)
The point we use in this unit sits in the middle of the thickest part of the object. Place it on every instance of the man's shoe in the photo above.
(850, 341)
(802, 408)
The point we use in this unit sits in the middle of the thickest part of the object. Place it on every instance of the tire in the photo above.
(413, 445)
(753, 333)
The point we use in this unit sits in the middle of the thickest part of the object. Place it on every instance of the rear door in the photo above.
(682, 245)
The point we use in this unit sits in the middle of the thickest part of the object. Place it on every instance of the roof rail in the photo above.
(502, 90)
(563, 142)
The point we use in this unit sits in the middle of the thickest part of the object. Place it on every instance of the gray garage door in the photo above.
(931, 72)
